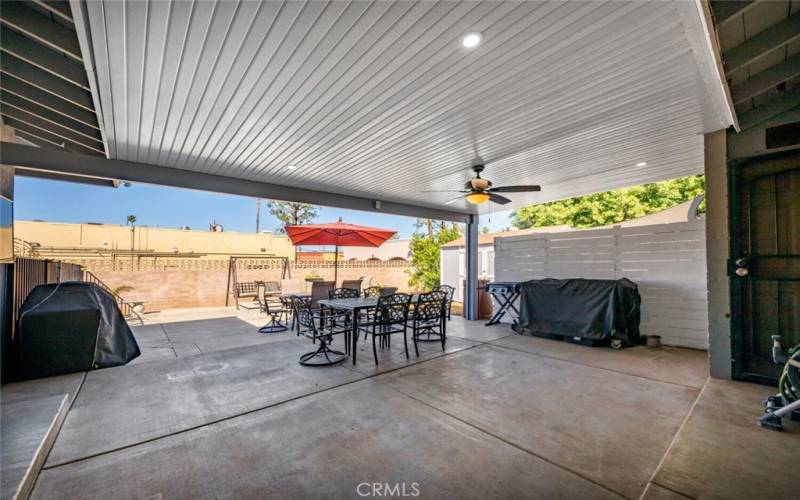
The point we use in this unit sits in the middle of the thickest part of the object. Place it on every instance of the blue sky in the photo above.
(171, 207)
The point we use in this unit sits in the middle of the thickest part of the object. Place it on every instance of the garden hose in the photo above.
(789, 383)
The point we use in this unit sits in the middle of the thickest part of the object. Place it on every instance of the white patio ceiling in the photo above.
(379, 99)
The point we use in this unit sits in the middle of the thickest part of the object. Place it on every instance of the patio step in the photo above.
(30, 428)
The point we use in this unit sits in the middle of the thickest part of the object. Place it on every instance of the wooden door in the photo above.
(765, 261)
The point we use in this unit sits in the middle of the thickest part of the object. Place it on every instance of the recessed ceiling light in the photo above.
(641, 164)
(291, 167)
(471, 40)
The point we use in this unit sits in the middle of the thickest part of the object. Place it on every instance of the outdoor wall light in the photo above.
(471, 40)
(477, 197)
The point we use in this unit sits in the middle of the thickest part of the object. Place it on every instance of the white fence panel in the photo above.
(667, 261)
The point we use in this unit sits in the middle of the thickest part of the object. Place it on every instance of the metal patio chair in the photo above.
(450, 291)
(316, 328)
(276, 312)
(427, 322)
(344, 293)
(356, 284)
(320, 290)
(390, 317)
(272, 288)
(372, 292)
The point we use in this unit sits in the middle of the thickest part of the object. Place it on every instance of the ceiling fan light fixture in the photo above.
(477, 197)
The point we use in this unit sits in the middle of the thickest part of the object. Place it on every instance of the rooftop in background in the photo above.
(488, 238)
(392, 249)
(310, 256)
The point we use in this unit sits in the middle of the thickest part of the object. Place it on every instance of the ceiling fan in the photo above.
(479, 190)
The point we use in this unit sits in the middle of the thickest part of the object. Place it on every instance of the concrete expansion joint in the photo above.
(672, 445)
(193, 428)
(69, 408)
(248, 412)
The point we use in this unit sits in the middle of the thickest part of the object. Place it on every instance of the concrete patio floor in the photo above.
(495, 416)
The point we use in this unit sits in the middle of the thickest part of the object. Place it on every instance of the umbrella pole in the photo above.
(335, 266)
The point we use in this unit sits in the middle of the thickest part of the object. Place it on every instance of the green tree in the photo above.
(291, 214)
(425, 252)
(611, 207)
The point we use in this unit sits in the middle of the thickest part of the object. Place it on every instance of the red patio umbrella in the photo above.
(339, 234)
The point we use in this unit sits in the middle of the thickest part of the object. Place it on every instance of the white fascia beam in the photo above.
(104, 168)
(696, 19)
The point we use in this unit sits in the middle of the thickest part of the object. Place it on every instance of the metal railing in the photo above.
(126, 307)
(30, 273)
(25, 249)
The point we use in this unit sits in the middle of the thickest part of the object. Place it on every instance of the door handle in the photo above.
(742, 267)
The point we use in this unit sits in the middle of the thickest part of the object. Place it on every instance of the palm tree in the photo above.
(131, 220)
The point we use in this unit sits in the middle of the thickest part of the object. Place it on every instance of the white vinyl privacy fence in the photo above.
(667, 261)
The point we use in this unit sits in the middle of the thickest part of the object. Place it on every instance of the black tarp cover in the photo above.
(586, 308)
(115, 344)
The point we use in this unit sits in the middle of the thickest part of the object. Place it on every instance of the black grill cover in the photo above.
(590, 309)
(70, 327)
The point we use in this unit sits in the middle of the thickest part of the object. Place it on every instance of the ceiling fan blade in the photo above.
(500, 200)
(517, 189)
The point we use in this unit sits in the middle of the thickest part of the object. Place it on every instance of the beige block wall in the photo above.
(173, 289)
(116, 237)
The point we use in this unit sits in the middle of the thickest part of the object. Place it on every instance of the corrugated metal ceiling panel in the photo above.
(379, 99)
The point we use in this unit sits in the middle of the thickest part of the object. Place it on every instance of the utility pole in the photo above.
(258, 214)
